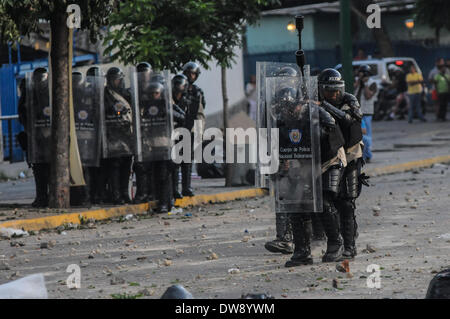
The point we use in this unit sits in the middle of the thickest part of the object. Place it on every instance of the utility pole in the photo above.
(346, 45)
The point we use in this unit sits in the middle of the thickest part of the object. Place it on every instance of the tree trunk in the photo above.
(59, 164)
(228, 172)
(380, 35)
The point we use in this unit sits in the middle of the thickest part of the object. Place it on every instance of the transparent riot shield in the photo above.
(296, 186)
(39, 114)
(265, 70)
(118, 136)
(88, 110)
(153, 120)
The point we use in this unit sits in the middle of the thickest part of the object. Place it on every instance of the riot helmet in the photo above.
(144, 67)
(40, 79)
(286, 71)
(77, 79)
(156, 90)
(179, 84)
(158, 78)
(144, 70)
(40, 75)
(94, 71)
(285, 94)
(331, 86)
(365, 70)
(192, 71)
(115, 78)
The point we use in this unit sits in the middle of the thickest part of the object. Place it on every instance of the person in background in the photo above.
(366, 92)
(250, 93)
(442, 83)
(434, 71)
(415, 89)
(360, 56)
(367, 140)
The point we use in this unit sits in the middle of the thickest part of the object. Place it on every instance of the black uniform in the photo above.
(143, 170)
(346, 110)
(195, 104)
(40, 100)
(179, 88)
(331, 140)
(117, 167)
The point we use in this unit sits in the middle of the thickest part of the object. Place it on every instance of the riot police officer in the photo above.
(119, 134)
(34, 114)
(194, 111)
(332, 161)
(344, 107)
(101, 191)
(179, 88)
(156, 114)
(143, 170)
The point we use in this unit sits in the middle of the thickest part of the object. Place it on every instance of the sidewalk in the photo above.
(398, 147)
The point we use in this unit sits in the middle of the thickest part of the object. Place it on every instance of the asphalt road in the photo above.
(404, 228)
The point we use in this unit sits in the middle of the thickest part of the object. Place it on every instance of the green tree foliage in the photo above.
(168, 33)
(165, 33)
(435, 13)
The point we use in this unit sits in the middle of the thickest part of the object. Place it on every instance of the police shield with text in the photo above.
(35, 115)
(88, 108)
(141, 168)
(154, 126)
(118, 135)
(345, 109)
(296, 186)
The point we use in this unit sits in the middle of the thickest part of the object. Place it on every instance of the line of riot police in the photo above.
(119, 130)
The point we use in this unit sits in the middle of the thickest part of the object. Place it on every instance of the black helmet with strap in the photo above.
(331, 86)
(191, 67)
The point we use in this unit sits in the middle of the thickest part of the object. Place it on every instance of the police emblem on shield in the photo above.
(47, 111)
(83, 115)
(153, 110)
(295, 136)
(118, 107)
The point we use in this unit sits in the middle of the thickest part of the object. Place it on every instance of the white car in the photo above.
(380, 67)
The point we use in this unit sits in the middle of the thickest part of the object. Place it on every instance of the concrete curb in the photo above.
(408, 166)
(51, 222)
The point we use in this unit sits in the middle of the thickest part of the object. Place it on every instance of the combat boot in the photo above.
(283, 242)
(164, 187)
(330, 222)
(40, 172)
(186, 171)
(141, 184)
(347, 213)
(125, 172)
(175, 183)
(302, 229)
(317, 228)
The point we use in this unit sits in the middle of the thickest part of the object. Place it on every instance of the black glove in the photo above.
(363, 179)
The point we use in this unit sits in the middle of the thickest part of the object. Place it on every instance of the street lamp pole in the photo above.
(346, 45)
